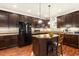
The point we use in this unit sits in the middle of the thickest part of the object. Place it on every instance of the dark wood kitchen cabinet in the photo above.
(71, 40)
(30, 19)
(8, 41)
(40, 46)
(2, 43)
(64, 20)
(23, 18)
(34, 22)
(68, 19)
(26, 19)
(3, 19)
(13, 20)
(75, 19)
(44, 46)
(45, 23)
(12, 40)
(61, 21)
(36, 47)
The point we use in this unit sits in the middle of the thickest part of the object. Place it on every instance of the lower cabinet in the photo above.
(40, 47)
(8, 41)
(71, 40)
(2, 43)
(36, 48)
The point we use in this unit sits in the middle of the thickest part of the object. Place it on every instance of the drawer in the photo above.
(1, 38)
(74, 37)
(8, 41)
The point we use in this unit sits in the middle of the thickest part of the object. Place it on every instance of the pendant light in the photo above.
(49, 14)
(49, 10)
(39, 21)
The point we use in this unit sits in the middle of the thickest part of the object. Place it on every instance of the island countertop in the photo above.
(44, 36)
(71, 34)
(7, 34)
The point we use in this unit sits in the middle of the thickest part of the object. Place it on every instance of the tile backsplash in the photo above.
(72, 29)
(8, 30)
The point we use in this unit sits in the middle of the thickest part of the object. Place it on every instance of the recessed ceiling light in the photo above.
(49, 23)
(40, 21)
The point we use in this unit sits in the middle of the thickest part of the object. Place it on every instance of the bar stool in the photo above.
(52, 45)
(59, 44)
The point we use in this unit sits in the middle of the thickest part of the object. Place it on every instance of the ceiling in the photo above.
(32, 9)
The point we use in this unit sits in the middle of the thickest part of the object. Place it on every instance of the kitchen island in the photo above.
(40, 44)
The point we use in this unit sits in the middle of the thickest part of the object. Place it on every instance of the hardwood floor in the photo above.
(70, 51)
(27, 51)
(16, 51)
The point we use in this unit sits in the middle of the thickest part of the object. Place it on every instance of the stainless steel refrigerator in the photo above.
(25, 35)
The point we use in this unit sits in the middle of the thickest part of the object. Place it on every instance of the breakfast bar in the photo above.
(41, 44)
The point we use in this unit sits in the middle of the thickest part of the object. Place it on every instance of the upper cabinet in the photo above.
(13, 20)
(26, 19)
(46, 23)
(61, 21)
(30, 19)
(3, 19)
(9, 19)
(68, 19)
(40, 23)
(71, 19)
(23, 18)
(75, 19)
(34, 22)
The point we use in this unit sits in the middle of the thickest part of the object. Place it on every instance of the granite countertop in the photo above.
(6, 34)
(44, 36)
(71, 34)
(41, 32)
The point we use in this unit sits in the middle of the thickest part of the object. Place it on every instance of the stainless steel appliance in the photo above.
(25, 36)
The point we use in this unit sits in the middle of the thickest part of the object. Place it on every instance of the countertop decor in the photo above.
(51, 34)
